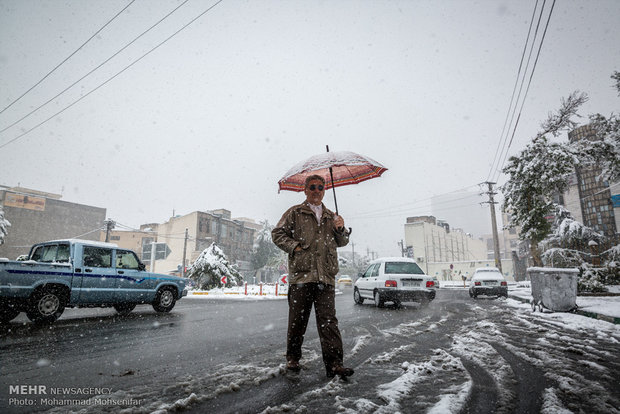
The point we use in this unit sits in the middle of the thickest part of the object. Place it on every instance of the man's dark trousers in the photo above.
(301, 297)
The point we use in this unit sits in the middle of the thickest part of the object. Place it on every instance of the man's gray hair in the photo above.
(313, 177)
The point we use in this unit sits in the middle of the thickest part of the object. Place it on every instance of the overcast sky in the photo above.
(219, 112)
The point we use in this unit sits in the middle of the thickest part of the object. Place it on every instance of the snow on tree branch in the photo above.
(560, 121)
(4, 226)
(207, 271)
(616, 77)
(537, 172)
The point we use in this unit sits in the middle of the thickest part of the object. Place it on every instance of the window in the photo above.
(408, 268)
(370, 269)
(63, 254)
(45, 253)
(126, 259)
(51, 253)
(97, 257)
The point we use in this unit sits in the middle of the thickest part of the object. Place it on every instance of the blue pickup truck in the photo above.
(81, 273)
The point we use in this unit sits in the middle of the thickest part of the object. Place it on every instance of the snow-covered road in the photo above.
(225, 356)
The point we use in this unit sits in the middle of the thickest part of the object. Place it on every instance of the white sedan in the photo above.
(488, 281)
(394, 279)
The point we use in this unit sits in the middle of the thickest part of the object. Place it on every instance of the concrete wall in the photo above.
(467, 268)
(35, 218)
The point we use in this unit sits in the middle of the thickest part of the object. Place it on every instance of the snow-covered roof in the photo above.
(81, 241)
(393, 259)
(488, 269)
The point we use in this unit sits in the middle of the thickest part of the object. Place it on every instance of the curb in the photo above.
(594, 315)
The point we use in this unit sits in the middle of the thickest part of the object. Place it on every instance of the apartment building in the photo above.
(444, 252)
(234, 236)
(593, 201)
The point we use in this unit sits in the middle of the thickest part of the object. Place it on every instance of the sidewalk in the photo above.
(605, 308)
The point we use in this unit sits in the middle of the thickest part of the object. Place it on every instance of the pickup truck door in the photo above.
(132, 283)
(98, 275)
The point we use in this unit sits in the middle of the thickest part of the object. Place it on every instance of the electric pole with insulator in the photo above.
(492, 202)
(109, 225)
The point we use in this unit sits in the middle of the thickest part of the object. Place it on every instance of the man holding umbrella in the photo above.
(310, 234)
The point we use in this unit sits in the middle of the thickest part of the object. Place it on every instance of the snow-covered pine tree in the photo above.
(568, 244)
(604, 152)
(4, 226)
(264, 248)
(537, 173)
(207, 271)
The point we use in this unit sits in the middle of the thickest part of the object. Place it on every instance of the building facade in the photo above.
(447, 253)
(137, 240)
(234, 236)
(37, 216)
(598, 205)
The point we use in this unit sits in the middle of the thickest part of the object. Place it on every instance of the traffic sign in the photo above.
(283, 280)
(162, 251)
(223, 280)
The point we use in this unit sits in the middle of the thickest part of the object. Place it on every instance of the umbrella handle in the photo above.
(331, 175)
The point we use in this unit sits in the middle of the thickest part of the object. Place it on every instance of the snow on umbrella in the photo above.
(337, 168)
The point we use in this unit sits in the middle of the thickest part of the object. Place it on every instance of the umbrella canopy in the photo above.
(347, 168)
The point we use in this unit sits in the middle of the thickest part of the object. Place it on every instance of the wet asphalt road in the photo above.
(227, 356)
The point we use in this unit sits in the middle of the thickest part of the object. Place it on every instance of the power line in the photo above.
(111, 78)
(67, 58)
(522, 82)
(502, 141)
(411, 204)
(542, 40)
(94, 69)
(529, 82)
(406, 211)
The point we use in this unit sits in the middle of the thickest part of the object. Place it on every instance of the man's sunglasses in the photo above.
(313, 187)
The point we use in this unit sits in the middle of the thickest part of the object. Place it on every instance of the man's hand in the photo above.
(338, 222)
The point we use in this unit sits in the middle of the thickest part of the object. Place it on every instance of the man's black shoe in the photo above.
(293, 366)
(341, 371)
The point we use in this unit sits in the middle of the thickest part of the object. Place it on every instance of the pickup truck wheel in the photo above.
(8, 313)
(46, 305)
(124, 308)
(165, 299)
(357, 298)
(379, 302)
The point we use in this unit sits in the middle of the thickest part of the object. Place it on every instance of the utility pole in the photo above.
(491, 193)
(184, 252)
(152, 266)
(109, 225)
(402, 248)
(353, 253)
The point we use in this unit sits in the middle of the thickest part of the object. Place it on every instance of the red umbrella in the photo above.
(337, 168)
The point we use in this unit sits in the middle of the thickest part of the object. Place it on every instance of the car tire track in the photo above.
(483, 397)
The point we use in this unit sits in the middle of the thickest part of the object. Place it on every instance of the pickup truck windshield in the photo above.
(50, 253)
(407, 268)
